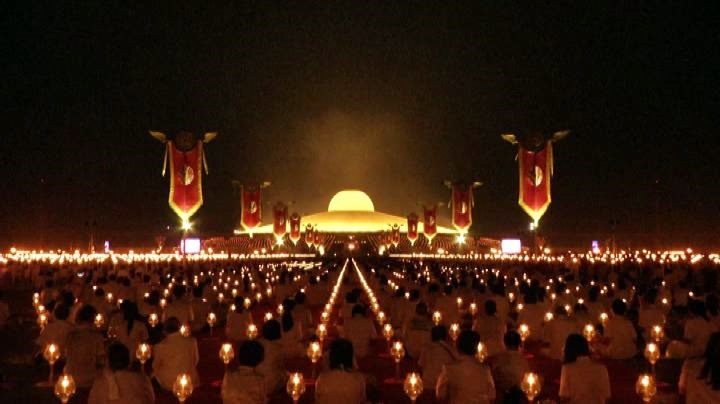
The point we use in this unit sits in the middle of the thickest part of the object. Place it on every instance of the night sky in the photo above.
(387, 98)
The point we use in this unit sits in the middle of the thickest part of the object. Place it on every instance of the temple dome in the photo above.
(351, 200)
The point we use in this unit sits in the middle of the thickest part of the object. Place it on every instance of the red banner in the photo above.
(395, 235)
(295, 228)
(461, 207)
(185, 179)
(412, 228)
(280, 212)
(309, 236)
(535, 174)
(430, 222)
(319, 239)
(251, 207)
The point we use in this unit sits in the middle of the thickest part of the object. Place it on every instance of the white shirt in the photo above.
(84, 350)
(359, 330)
(556, 332)
(179, 309)
(132, 387)
(465, 381)
(236, 325)
(243, 386)
(340, 387)
(584, 382)
(697, 332)
(174, 355)
(508, 368)
(273, 366)
(432, 359)
(492, 330)
(56, 332)
(622, 337)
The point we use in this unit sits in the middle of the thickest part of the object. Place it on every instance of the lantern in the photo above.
(645, 387)
(549, 317)
(459, 303)
(295, 386)
(436, 317)
(324, 317)
(227, 353)
(211, 320)
(473, 309)
(481, 352)
(65, 388)
(603, 318)
(531, 385)
(280, 310)
(524, 331)
(397, 351)
(454, 331)
(657, 333)
(143, 353)
(99, 320)
(51, 354)
(252, 331)
(247, 303)
(268, 316)
(185, 330)
(321, 332)
(381, 317)
(589, 332)
(314, 353)
(652, 353)
(42, 320)
(413, 386)
(153, 319)
(388, 333)
(183, 387)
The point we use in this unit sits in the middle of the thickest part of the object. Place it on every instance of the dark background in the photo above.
(388, 98)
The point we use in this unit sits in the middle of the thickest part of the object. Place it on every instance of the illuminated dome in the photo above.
(351, 200)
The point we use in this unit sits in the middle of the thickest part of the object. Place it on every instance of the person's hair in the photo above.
(351, 297)
(414, 295)
(271, 330)
(619, 307)
(512, 339)
(710, 371)
(341, 354)
(239, 303)
(300, 298)
(490, 307)
(287, 321)
(178, 291)
(198, 291)
(530, 297)
(250, 353)
(697, 308)
(651, 296)
(86, 314)
(99, 292)
(118, 356)
(130, 314)
(438, 333)
(61, 312)
(467, 342)
(712, 304)
(594, 293)
(358, 309)
(172, 325)
(575, 346)
(421, 309)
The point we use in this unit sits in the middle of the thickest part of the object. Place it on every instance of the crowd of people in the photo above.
(473, 330)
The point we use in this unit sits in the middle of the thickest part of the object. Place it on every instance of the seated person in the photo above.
(510, 365)
(340, 384)
(118, 384)
(417, 330)
(243, 384)
(174, 355)
(85, 349)
(273, 366)
(619, 333)
(359, 330)
(435, 355)
(582, 380)
(57, 330)
(466, 380)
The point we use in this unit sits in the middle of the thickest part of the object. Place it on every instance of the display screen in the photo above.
(511, 246)
(190, 246)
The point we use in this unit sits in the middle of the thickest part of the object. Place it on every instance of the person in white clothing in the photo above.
(619, 334)
(697, 329)
(435, 355)
(466, 380)
(273, 366)
(237, 321)
(118, 384)
(340, 384)
(174, 355)
(556, 333)
(359, 330)
(179, 308)
(582, 380)
(491, 328)
(57, 330)
(244, 384)
(85, 349)
(509, 366)
(130, 330)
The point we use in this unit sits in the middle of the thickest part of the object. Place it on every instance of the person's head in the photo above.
(61, 312)
(86, 315)
(178, 291)
(197, 292)
(341, 354)
(697, 308)
(172, 325)
(414, 295)
(490, 307)
(358, 310)
(239, 303)
(575, 346)
(619, 307)
(300, 298)
(250, 353)
(287, 321)
(651, 296)
(439, 333)
(512, 340)
(118, 356)
(421, 309)
(530, 298)
(351, 298)
(594, 293)
(712, 304)
(271, 330)
(467, 342)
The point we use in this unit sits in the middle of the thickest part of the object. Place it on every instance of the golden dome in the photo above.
(351, 200)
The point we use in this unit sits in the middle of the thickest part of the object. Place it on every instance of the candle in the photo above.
(454, 331)
(183, 387)
(143, 353)
(589, 332)
(65, 388)
(652, 353)
(645, 387)
(153, 319)
(227, 353)
(524, 331)
(413, 386)
(295, 386)
(531, 385)
(481, 352)
(252, 331)
(437, 317)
